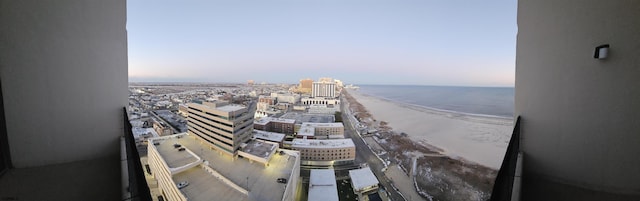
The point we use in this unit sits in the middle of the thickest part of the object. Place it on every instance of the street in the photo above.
(365, 155)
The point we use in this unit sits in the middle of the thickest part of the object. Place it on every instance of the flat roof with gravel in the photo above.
(259, 149)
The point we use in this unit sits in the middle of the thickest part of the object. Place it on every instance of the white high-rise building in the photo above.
(323, 89)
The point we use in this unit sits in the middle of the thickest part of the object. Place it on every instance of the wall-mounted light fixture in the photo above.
(601, 52)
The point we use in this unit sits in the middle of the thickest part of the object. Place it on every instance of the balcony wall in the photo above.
(580, 128)
(63, 70)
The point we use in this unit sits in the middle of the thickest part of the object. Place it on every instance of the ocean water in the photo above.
(492, 101)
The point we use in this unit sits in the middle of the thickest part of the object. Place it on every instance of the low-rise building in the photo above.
(323, 109)
(269, 136)
(321, 130)
(301, 117)
(325, 152)
(278, 125)
(187, 168)
(262, 106)
(363, 182)
(286, 98)
(299, 108)
(323, 185)
(319, 101)
(161, 128)
(282, 106)
(267, 113)
(267, 99)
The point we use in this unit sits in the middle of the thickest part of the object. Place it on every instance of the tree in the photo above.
(338, 116)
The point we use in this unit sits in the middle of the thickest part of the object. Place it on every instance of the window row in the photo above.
(325, 151)
(323, 158)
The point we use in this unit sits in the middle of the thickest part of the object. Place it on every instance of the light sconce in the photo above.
(601, 52)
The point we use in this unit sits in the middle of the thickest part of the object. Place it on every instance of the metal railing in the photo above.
(504, 183)
(137, 185)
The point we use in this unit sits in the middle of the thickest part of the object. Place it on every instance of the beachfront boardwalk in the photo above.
(405, 185)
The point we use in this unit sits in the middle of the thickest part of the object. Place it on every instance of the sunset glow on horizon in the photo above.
(463, 43)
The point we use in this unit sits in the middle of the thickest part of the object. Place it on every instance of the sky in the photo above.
(399, 42)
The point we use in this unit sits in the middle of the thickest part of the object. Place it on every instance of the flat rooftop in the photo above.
(362, 178)
(260, 149)
(261, 121)
(172, 156)
(338, 124)
(311, 143)
(230, 108)
(305, 117)
(265, 120)
(260, 180)
(204, 186)
(322, 185)
(306, 131)
(173, 119)
(269, 136)
(144, 132)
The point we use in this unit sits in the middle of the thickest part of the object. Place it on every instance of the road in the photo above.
(365, 155)
(173, 129)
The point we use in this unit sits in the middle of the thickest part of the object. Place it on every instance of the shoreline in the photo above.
(476, 138)
(433, 108)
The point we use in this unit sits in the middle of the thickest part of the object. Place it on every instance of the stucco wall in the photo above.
(63, 67)
(580, 115)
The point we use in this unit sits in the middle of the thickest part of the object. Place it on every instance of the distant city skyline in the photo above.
(454, 43)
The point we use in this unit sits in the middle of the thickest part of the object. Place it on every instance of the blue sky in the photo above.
(421, 42)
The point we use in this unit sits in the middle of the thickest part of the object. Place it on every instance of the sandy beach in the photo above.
(479, 139)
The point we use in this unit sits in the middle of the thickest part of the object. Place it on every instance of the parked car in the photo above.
(177, 145)
(282, 180)
(181, 149)
(183, 184)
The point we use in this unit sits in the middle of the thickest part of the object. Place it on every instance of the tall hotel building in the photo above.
(223, 125)
(306, 83)
(324, 89)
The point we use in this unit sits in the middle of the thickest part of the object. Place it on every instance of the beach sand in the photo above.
(479, 139)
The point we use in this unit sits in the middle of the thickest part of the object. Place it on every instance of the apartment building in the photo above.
(324, 152)
(277, 125)
(321, 130)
